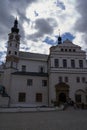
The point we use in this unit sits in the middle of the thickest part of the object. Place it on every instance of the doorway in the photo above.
(62, 92)
(62, 97)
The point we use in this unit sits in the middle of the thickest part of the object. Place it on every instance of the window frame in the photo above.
(29, 82)
(72, 63)
(15, 52)
(56, 63)
(39, 97)
(78, 79)
(23, 68)
(9, 52)
(44, 83)
(64, 63)
(80, 63)
(60, 79)
(21, 97)
(66, 79)
(78, 98)
(83, 79)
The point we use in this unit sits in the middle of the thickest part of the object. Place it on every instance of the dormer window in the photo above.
(74, 50)
(41, 69)
(65, 49)
(70, 50)
(24, 68)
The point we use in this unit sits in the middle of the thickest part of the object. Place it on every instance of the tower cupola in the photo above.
(59, 38)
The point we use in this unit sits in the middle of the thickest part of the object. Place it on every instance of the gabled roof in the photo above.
(68, 43)
(28, 55)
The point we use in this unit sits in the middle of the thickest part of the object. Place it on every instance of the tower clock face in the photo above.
(11, 37)
(17, 38)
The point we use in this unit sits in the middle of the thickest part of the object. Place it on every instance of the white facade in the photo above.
(41, 80)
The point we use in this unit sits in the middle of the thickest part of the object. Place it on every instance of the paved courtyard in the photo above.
(53, 120)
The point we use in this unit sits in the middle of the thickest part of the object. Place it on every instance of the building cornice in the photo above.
(30, 74)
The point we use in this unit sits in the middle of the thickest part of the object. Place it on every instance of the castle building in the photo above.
(31, 79)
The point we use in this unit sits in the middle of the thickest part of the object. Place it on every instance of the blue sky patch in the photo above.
(67, 35)
(48, 40)
(36, 14)
(60, 4)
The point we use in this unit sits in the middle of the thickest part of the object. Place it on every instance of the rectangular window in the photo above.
(9, 52)
(73, 63)
(21, 97)
(64, 63)
(44, 83)
(56, 63)
(23, 68)
(38, 97)
(78, 79)
(78, 98)
(66, 79)
(60, 79)
(86, 98)
(29, 82)
(10, 44)
(16, 45)
(15, 53)
(83, 80)
(81, 63)
(70, 50)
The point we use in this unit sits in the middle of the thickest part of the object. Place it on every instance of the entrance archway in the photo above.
(62, 97)
(62, 92)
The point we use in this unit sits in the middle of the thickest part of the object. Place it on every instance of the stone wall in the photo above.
(4, 101)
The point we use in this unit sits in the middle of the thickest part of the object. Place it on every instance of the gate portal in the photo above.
(62, 92)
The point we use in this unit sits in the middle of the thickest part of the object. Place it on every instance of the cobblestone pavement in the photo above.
(56, 120)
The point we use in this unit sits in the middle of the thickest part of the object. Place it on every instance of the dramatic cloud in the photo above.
(39, 22)
(43, 27)
(81, 23)
(10, 9)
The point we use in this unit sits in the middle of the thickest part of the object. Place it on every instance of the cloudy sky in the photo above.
(40, 22)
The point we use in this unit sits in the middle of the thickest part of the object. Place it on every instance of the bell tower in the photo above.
(12, 57)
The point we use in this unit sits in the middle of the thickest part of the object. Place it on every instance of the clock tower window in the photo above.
(9, 52)
(15, 53)
(16, 45)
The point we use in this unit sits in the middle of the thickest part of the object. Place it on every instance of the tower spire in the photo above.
(59, 38)
(15, 27)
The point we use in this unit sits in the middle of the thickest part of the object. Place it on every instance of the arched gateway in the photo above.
(62, 92)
